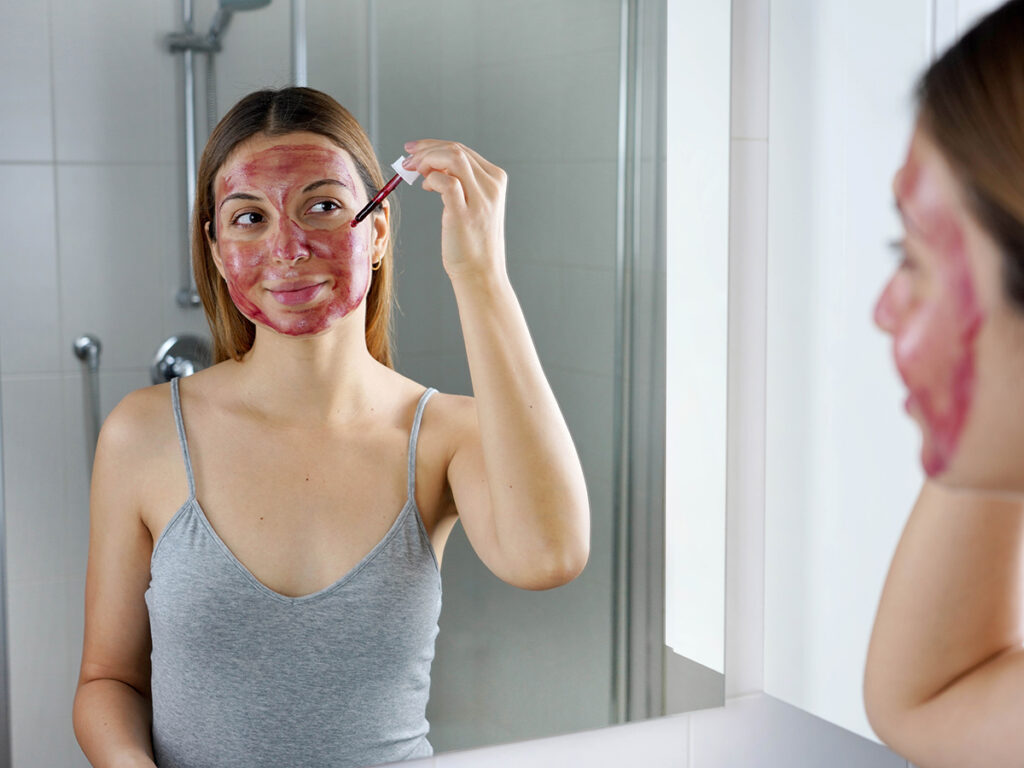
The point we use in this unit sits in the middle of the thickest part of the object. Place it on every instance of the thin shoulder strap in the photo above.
(413, 437)
(176, 401)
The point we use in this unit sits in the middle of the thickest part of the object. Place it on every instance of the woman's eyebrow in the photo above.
(237, 196)
(323, 182)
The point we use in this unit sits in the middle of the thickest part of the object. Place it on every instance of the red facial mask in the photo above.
(291, 261)
(934, 318)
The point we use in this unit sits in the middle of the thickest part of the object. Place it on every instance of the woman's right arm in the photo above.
(112, 712)
(944, 684)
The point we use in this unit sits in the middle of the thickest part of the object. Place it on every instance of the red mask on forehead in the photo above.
(934, 333)
(296, 271)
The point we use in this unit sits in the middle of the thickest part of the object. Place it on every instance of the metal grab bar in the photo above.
(87, 349)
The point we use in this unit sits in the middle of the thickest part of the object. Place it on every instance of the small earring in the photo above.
(376, 265)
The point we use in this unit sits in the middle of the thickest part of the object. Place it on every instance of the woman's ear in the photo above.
(381, 231)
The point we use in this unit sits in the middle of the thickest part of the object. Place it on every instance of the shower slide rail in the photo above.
(87, 349)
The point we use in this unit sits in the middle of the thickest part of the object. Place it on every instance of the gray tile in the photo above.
(114, 385)
(26, 111)
(43, 674)
(521, 110)
(589, 102)
(539, 290)
(115, 242)
(586, 320)
(28, 260)
(256, 54)
(33, 435)
(587, 208)
(115, 90)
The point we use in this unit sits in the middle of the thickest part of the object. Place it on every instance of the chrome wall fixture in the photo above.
(179, 356)
(5, 690)
(187, 43)
(87, 348)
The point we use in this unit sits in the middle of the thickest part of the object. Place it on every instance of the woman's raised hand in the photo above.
(473, 192)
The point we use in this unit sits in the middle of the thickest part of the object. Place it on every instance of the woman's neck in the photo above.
(315, 381)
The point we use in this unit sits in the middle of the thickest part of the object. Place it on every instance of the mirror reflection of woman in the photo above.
(944, 684)
(285, 613)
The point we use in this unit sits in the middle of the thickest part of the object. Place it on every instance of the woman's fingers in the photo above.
(473, 193)
(448, 186)
(478, 177)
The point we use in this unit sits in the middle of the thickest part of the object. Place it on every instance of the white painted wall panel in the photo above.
(697, 256)
(841, 468)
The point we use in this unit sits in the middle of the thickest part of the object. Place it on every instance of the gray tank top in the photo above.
(245, 676)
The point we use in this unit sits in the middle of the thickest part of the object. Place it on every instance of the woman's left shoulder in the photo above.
(452, 413)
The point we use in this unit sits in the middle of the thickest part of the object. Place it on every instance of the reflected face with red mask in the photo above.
(931, 305)
(283, 240)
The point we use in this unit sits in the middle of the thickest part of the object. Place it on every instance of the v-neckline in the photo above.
(193, 502)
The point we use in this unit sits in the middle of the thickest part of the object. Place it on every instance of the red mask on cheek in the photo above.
(295, 278)
(934, 335)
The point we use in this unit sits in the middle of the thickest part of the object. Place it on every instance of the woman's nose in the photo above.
(290, 242)
(887, 312)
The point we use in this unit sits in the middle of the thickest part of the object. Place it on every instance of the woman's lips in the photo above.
(299, 295)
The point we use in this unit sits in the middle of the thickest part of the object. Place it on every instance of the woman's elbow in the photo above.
(885, 715)
(558, 566)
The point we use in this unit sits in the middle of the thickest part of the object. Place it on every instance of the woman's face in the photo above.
(284, 243)
(947, 316)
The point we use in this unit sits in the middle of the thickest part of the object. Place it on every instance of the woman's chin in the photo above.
(974, 470)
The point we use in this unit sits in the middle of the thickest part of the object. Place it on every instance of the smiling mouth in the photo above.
(300, 295)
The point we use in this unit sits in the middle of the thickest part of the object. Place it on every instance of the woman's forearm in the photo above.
(112, 724)
(950, 620)
(536, 483)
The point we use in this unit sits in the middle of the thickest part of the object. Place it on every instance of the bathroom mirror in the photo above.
(568, 97)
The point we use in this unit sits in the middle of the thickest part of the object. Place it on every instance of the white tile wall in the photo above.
(114, 385)
(29, 312)
(26, 110)
(90, 240)
(590, 114)
(540, 289)
(42, 674)
(267, 32)
(593, 245)
(113, 82)
(586, 321)
(33, 423)
(116, 236)
(332, 26)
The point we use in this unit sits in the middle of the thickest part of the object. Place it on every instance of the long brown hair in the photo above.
(276, 113)
(971, 103)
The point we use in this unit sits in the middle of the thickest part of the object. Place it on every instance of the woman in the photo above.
(944, 684)
(291, 603)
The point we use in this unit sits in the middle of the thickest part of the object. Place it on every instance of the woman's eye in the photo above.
(248, 219)
(325, 206)
(905, 260)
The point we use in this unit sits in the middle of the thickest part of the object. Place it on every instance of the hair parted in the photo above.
(276, 113)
